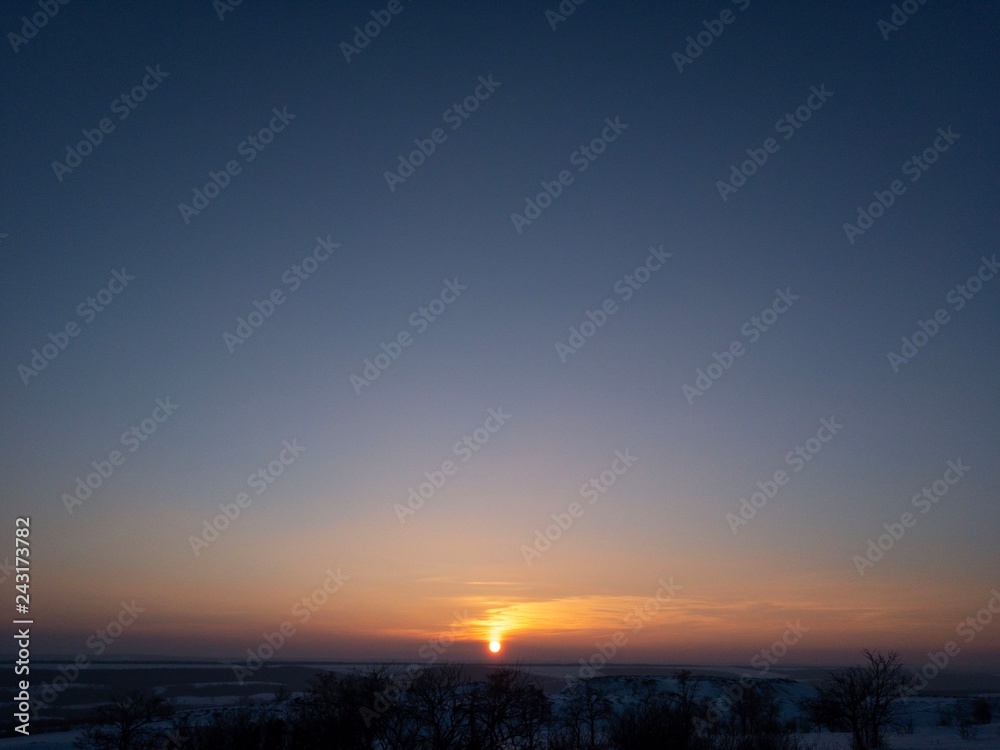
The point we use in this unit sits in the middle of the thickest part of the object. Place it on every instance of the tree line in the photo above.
(442, 709)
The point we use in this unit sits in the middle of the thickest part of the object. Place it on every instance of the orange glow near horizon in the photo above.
(198, 605)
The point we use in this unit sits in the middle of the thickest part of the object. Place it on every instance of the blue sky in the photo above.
(655, 186)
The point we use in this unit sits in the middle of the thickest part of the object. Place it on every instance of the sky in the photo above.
(398, 328)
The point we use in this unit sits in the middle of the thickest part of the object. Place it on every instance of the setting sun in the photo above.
(494, 646)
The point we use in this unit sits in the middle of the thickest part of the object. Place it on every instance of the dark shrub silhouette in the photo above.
(125, 723)
(244, 728)
(330, 714)
(585, 719)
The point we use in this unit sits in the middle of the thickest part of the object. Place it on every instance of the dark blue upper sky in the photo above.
(656, 184)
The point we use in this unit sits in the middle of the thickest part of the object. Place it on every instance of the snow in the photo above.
(624, 689)
(50, 741)
(928, 738)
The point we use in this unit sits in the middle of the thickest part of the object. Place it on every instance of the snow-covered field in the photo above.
(928, 738)
(622, 686)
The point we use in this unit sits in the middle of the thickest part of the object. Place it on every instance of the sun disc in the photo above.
(494, 646)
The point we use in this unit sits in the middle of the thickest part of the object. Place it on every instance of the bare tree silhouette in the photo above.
(863, 700)
(125, 723)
